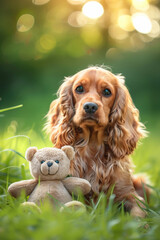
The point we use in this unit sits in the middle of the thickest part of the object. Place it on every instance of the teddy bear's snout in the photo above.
(49, 164)
(49, 167)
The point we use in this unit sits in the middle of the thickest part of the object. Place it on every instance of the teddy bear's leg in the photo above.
(29, 206)
(74, 205)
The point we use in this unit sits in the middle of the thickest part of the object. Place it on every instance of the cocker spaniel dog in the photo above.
(95, 114)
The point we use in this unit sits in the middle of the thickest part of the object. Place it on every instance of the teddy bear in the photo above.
(50, 168)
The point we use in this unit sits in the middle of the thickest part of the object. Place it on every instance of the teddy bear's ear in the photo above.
(30, 153)
(69, 151)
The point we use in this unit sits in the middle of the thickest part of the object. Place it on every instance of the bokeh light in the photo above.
(111, 53)
(77, 19)
(75, 48)
(153, 12)
(142, 23)
(155, 31)
(76, 2)
(136, 42)
(117, 33)
(92, 36)
(93, 10)
(46, 43)
(40, 2)
(94, 23)
(142, 5)
(25, 23)
(125, 22)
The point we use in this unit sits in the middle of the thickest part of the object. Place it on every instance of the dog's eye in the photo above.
(42, 161)
(106, 92)
(80, 89)
(57, 161)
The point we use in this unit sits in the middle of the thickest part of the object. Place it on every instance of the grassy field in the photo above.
(33, 65)
(98, 222)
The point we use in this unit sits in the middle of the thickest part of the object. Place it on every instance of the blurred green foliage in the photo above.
(34, 63)
(35, 83)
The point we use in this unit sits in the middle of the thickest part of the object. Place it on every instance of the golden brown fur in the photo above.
(102, 140)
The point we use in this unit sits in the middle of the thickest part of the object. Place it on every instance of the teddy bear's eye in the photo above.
(57, 161)
(42, 161)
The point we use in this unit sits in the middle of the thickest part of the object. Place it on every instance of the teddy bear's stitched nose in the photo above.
(49, 164)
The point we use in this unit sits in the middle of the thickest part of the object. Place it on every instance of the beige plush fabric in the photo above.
(49, 167)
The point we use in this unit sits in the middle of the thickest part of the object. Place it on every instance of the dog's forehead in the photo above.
(95, 74)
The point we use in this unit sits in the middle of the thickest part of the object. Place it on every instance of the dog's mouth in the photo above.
(90, 118)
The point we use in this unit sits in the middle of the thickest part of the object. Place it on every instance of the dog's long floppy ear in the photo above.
(59, 118)
(124, 128)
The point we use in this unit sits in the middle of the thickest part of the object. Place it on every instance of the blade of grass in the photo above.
(12, 150)
(7, 180)
(10, 108)
(138, 200)
(111, 202)
(17, 136)
(144, 191)
(146, 205)
(8, 168)
(122, 209)
(23, 173)
(95, 207)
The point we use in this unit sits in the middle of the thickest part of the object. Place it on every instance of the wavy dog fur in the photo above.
(104, 140)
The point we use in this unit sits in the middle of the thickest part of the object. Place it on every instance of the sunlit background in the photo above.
(41, 42)
(45, 27)
(118, 20)
(44, 40)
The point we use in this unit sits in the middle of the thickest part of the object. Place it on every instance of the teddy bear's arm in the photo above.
(74, 185)
(27, 186)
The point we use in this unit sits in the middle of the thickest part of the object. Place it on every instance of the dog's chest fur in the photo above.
(91, 163)
(95, 162)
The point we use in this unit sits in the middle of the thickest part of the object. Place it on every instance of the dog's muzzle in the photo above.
(90, 107)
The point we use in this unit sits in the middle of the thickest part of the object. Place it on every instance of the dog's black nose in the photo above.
(90, 107)
(49, 164)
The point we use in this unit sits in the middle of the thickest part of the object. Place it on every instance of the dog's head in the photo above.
(95, 98)
(94, 92)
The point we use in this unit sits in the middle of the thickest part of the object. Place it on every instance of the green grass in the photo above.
(10, 108)
(98, 222)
